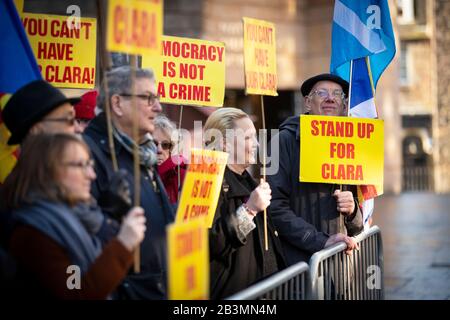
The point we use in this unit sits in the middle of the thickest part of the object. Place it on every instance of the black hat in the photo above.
(29, 105)
(309, 84)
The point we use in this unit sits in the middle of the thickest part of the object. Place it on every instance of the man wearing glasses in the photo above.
(311, 216)
(124, 94)
(38, 107)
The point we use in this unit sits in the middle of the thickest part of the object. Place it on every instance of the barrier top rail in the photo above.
(276, 279)
(338, 247)
(320, 256)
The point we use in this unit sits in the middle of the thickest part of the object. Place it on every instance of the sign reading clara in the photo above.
(135, 26)
(341, 150)
(189, 71)
(260, 62)
(65, 53)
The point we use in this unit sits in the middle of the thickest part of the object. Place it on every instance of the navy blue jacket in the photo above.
(304, 214)
(150, 283)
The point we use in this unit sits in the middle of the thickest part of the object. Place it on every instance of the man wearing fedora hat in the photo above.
(311, 216)
(38, 107)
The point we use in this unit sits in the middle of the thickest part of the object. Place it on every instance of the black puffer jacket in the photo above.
(304, 214)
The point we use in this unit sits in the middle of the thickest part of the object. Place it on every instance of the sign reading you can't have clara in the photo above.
(341, 150)
(260, 62)
(65, 53)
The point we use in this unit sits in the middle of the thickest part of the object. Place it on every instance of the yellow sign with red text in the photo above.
(189, 71)
(135, 26)
(260, 57)
(188, 261)
(65, 53)
(202, 185)
(341, 150)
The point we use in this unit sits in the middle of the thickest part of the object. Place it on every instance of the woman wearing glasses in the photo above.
(171, 167)
(57, 251)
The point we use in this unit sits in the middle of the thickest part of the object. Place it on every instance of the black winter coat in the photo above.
(237, 263)
(150, 283)
(304, 214)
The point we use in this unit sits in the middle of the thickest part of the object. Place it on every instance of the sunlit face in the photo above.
(146, 112)
(331, 105)
(76, 173)
(245, 143)
(60, 119)
(162, 141)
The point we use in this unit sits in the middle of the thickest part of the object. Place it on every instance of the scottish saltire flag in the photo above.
(363, 45)
(361, 94)
(18, 65)
(361, 28)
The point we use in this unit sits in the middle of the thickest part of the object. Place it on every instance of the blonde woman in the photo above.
(237, 255)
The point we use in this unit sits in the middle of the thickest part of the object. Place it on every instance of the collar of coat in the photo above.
(98, 131)
(236, 188)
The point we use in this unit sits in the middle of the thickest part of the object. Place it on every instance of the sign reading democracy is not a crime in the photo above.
(341, 150)
(189, 71)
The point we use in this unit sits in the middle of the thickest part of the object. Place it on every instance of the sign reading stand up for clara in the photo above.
(135, 26)
(202, 185)
(341, 150)
(189, 71)
(260, 62)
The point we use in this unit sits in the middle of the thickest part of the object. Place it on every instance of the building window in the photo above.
(411, 12)
(404, 72)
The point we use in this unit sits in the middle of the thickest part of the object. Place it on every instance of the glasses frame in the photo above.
(85, 165)
(151, 98)
(69, 120)
(340, 97)
(165, 145)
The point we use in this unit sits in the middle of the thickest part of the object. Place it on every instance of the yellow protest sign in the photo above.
(260, 61)
(19, 6)
(66, 55)
(135, 26)
(189, 71)
(202, 185)
(341, 150)
(188, 261)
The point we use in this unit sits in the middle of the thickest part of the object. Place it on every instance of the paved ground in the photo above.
(416, 238)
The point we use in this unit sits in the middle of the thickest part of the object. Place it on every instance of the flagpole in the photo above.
(136, 162)
(179, 159)
(371, 84)
(350, 88)
(266, 240)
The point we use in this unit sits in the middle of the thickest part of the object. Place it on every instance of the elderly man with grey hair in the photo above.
(150, 283)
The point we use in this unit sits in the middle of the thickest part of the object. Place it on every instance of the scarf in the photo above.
(59, 222)
(147, 149)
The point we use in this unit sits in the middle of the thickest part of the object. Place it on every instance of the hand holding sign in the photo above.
(133, 228)
(260, 197)
(345, 202)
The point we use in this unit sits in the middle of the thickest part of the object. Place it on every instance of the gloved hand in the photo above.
(116, 200)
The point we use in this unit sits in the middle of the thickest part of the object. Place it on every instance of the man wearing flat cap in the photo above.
(311, 216)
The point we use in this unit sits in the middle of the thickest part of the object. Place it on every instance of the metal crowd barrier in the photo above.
(291, 283)
(331, 275)
(337, 276)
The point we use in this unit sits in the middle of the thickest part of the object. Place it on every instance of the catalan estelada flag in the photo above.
(18, 67)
